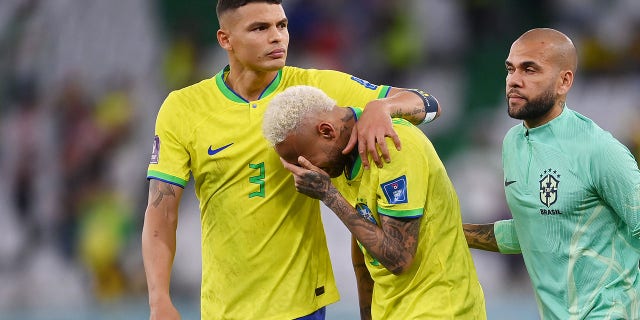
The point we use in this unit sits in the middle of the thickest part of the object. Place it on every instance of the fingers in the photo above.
(382, 145)
(307, 165)
(372, 150)
(289, 166)
(362, 151)
(308, 179)
(303, 166)
(377, 147)
(396, 140)
(284, 162)
(374, 145)
(353, 141)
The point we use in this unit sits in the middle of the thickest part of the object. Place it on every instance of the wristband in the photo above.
(430, 105)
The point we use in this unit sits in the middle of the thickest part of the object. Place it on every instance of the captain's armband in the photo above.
(430, 105)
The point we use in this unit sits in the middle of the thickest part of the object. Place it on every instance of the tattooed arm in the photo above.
(480, 236)
(363, 280)
(393, 243)
(159, 245)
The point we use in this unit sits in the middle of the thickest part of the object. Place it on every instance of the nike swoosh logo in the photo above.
(214, 151)
(507, 183)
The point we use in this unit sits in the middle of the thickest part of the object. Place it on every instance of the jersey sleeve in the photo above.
(402, 188)
(170, 159)
(350, 90)
(506, 236)
(617, 180)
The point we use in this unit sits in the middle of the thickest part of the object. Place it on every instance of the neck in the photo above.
(249, 84)
(347, 123)
(553, 113)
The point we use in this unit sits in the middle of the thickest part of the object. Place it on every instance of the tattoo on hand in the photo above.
(314, 184)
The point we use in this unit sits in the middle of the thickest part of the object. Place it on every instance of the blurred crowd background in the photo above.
(81, 82)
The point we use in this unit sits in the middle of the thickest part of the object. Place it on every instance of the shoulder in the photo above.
(592, 144)
(513, 133)
(414, 140)
(206, 85)
(579, 126)
(408, 129)
(311, 74)
(189, 101)
(196, 91)
(590, 134)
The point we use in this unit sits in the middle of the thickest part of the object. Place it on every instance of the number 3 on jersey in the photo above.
(257, 179)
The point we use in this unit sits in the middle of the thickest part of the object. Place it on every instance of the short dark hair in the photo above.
(226, 5)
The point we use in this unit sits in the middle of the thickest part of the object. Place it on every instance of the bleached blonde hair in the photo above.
(290, 109)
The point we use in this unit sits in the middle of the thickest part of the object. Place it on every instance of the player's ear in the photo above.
(566, 80)
(223, 39)
(326, 130)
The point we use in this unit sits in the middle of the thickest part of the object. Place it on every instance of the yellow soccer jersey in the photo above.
(264, 252)
(442, 281)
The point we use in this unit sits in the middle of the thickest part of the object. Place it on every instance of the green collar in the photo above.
(233, 96)
(353, 172)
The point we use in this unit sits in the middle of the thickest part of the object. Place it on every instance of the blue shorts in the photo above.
(318, 315)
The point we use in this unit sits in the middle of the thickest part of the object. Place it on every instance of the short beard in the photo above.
(336, 161)
(534, 108)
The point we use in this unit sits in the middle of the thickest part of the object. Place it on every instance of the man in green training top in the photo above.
(572, 188)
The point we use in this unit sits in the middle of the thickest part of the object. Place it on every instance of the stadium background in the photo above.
(81, 82)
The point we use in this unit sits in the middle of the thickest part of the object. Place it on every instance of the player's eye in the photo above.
(260, 27)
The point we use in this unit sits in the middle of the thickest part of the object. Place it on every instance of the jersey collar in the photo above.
(542, 130)
(353, 169)
(235, 97)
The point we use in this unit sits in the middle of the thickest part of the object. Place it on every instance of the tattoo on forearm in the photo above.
(411, 116)
(480, 236)
(331, 200)
(399, 243)
(159, 190)
(394, 245)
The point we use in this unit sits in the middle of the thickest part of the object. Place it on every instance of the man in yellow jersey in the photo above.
(264, 252)
(405, 217)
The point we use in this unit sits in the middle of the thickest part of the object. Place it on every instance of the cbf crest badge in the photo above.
(549, 187)
(365, 212)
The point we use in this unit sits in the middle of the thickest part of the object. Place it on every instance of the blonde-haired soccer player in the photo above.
(264, 253)
(405, 217)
